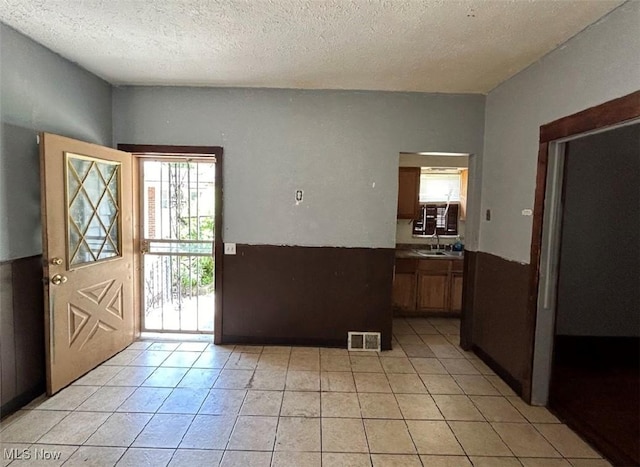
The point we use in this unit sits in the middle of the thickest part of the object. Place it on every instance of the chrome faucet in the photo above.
(435, 234)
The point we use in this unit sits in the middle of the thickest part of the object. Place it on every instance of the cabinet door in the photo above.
(408, 192)
(404, 291)
(464, 181)
(433, 291)
(456, 292)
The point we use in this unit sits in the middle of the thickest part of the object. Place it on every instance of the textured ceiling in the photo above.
(401, 45)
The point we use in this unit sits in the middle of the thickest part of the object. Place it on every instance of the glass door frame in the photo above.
(181, 154)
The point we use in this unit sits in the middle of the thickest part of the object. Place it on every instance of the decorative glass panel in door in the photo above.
(178, 205)
(93, 216)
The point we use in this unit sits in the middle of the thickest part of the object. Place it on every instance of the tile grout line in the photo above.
(386, 370)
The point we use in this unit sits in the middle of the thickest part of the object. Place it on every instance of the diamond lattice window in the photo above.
(93, 194)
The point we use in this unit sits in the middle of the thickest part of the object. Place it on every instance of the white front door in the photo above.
(87, 209)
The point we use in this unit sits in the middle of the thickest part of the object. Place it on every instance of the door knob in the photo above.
(58, 279)
(56, 261)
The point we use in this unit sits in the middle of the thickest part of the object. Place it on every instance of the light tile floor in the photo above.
(425, 403)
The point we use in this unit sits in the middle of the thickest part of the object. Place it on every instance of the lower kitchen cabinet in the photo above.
(456, 292)
(427, 287)
(404, 284)
(404, 291)
(432, 292)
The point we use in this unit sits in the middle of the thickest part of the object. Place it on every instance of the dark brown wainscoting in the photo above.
(595, 389)
(22, 363)
(306, 295)
(495, 316)
(468, 292)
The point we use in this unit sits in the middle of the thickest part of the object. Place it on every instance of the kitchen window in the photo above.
(437, 218)
(439, 187)
(439, 203)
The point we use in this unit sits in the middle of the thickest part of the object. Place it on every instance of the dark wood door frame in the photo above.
(201, 151)
(609, 114)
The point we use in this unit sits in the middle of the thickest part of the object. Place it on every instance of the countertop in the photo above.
(411, 252)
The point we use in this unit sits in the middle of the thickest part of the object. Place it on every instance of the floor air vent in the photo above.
(364, 341)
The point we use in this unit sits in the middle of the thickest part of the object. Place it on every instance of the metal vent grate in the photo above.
(363, 341)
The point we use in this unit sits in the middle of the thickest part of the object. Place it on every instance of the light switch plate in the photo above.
(229, 248)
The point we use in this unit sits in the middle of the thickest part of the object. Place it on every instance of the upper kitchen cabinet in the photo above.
(464, 180)
(408, 192)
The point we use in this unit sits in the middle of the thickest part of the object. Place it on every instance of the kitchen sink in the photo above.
(429, 253)
(425, 253)
(454, 253)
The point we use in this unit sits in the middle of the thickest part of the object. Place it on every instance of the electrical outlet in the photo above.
(229, 248)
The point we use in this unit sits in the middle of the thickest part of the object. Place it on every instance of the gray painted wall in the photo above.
(598, 287)
(340, 147)
(39, 91)
(599, 64)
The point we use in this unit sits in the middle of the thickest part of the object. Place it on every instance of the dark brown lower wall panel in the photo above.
(496, 316)
(22, 333)
(306, 295)
(468, 292)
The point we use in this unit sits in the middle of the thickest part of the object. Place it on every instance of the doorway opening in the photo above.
(179, 234)
(430, 231)
(584, 286)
